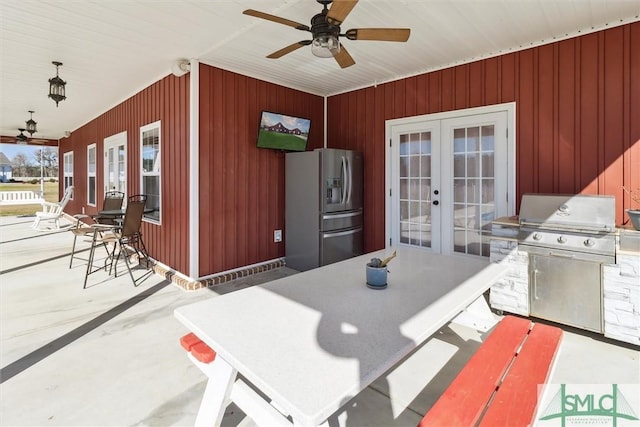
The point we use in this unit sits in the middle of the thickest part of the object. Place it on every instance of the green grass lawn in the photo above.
(285, 141)
(50, 195)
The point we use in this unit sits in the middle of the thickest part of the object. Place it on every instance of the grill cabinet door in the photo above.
(566, 290)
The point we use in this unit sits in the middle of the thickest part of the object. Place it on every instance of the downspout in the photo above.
(194, 155)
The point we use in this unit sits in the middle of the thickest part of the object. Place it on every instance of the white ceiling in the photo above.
(112, 49)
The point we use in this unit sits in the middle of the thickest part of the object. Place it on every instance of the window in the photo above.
(91, 175)
(68, 170)
(150, 169)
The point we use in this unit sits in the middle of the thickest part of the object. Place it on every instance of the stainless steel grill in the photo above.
(568, 238)
(570, 222)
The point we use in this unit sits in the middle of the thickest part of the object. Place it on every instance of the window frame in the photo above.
(154, 173)
(67, 171)
(93, 174)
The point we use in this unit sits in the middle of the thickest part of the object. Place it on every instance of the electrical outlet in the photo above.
(277, 236)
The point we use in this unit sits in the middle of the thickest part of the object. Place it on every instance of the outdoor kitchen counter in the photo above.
(620, 279)
(511, 293)
(628, 241)
(509, 221)
(505, 228)
(621, 289)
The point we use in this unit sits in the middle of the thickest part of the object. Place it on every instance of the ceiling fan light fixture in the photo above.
(325, 46)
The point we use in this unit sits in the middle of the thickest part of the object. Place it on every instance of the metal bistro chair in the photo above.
(112, 201)
(125, 236)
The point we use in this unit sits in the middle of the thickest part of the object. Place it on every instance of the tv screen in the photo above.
(282, 132)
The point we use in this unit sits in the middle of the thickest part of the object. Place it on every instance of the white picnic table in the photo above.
(312, 341)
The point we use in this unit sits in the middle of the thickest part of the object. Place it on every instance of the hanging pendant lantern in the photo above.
(56, 86)
(21, 138)
(31, 124)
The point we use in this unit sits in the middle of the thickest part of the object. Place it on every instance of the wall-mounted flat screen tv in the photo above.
(282, 132)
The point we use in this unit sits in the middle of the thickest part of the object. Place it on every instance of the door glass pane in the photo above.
(115, 166)
(415, 188)
(121, 169)
(91, 188)
(473, 187)
(111, 179)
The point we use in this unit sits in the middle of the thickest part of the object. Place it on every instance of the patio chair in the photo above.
(52, 211)
(112, 201)
(125, 236)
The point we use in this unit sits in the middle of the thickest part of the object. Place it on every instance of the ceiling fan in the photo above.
(325, 31)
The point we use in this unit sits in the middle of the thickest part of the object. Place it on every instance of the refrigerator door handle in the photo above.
(344, 180)
(343, 215)
(350, 185)
(341, 233)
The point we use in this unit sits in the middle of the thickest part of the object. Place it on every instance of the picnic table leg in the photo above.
(216, 395)
(477, 315)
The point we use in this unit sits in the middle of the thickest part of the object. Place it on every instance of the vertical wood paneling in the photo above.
(242, 193)
(461, 87)
(564, 98)
(613, 114)
(164, 101)
(491, 81)
(545, 125)
(476, 91)
(589, 151)
(632, 124)
(577, 104)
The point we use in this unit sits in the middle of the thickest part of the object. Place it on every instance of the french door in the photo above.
(450, 175)
(115, 163)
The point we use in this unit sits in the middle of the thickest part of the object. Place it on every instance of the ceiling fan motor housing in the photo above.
(325, 42)
(321, 27)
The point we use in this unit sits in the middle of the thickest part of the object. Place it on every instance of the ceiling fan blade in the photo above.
(380, 34)
(339, 11)
(277, 19)
(279, 53)
(343, 58)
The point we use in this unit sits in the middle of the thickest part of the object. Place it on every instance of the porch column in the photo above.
(194, 185)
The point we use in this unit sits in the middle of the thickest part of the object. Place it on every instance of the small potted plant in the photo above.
(634, 214)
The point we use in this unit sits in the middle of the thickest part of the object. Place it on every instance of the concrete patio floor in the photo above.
(109, 355)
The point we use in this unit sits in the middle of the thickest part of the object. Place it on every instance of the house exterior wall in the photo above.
(577, 109)
(241, 186)
(168, 101)
(577, 105)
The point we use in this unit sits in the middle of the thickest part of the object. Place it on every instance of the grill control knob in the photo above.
(537, 236)
(589, 243)
(562, 239)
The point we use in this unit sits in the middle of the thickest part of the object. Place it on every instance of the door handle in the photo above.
(343, 181)
(349, 174)
(341, 233)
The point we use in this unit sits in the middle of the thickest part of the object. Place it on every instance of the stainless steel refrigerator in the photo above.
(324, 195)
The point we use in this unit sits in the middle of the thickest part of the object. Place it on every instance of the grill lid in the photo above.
(569, 212)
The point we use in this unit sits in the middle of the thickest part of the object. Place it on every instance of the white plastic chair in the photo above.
(53, 211)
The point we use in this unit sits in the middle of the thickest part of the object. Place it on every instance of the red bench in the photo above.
(499, 384)
(198, 349)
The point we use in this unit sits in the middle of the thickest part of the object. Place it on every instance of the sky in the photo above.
(10, 150)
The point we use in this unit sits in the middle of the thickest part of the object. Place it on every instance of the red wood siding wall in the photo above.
(166, 100)
(241, 186)
(577, 116)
